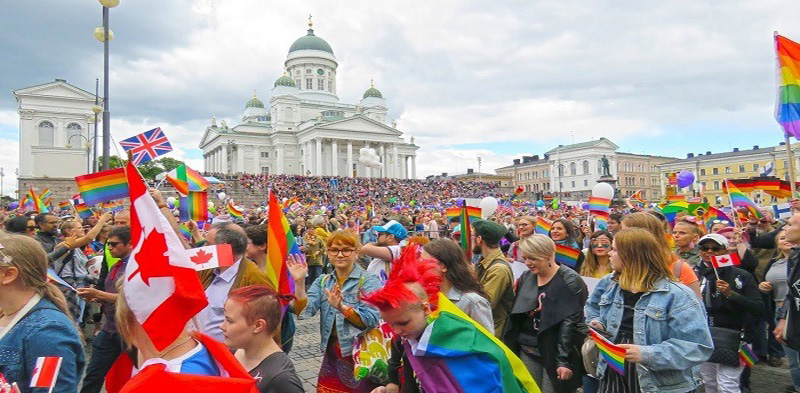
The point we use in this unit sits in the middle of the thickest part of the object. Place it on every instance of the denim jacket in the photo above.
(43, 331)
(318, 302)
(670, 326)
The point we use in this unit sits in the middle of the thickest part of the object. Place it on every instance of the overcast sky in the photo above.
(465, 78)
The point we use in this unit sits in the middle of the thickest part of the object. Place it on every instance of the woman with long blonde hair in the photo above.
(34, 319)
(643, 292)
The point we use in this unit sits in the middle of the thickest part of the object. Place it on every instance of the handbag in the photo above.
(726, 346)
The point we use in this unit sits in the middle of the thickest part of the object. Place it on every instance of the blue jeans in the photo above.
(794, 365)
(590, 384)
(106, 348)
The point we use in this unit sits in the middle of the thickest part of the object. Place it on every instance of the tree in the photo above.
(113, 162)
(169, 163)
(150, 169)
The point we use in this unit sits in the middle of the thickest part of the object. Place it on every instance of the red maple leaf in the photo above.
(201, 257)
(152, 258)
(723, 260)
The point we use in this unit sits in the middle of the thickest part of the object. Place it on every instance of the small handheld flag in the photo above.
(747, 356)
(543, 226)
(466, 231)
(233, 210)
(719, 261)
(739, 199)
(147, 146)
(53, 277)
(612, 354)
(103, 186)
(45, 374)
(787, 107)
(209, 257)
(566, 255)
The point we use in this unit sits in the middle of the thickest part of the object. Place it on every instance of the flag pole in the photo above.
(735, 217)
(790, 169)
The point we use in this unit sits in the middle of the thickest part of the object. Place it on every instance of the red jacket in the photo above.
(155, 378)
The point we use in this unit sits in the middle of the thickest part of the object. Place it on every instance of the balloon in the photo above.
(13, 205)
(171, 202)
(540, 203)
(177, 203)
(459, 201)
(221, 196)
(685, 179)
(210, 204)
(585, 206)
(488, 206)
(603, 190)
(212, 209)
(392, 200)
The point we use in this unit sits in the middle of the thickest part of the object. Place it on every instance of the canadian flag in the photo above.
(45, 374)
(719, 261)
(161, 285)
(209, 257)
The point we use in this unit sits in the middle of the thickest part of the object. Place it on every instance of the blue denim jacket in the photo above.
(670, 326)
(318, 301)
(43, 331)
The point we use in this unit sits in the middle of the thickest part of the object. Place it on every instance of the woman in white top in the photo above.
(459, 282)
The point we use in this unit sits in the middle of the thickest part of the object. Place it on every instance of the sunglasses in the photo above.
(601, 245)
(712, 249)
(113, 244)
(31, 227)
(720, 222)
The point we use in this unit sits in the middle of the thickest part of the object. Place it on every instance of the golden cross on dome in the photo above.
(310, 23)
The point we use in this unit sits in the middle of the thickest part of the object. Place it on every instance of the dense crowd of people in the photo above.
(650, 287)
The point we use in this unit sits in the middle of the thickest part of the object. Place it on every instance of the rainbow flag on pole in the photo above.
(38, 205)
(567, 255)
(194, 206)
(715, 214)
(103, 186)
(186, 179)
(739, 199)
(787, 106)
(612, 354)
(233, 210)
(466, 231)
(543, 226)
(66, 205)
(473, 213)
(83, 211)
(747, 356)
(280, 243)
(460, 355)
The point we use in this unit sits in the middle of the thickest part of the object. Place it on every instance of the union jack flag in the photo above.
(147, 145)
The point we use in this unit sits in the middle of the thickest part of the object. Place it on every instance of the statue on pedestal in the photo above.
(606, 167)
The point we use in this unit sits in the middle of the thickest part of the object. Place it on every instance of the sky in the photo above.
(467, 79)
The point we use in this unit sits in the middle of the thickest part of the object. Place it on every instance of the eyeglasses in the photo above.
(720, 222)
(600, 245)
(345, 253)
(31, 227)
(113, 244)
(712, 249)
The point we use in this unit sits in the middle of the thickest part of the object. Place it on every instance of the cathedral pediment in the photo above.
(56, 90)
(359, 123)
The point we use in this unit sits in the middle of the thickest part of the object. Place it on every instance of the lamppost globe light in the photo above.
(97, 109)
(99, 33)
(109, 3)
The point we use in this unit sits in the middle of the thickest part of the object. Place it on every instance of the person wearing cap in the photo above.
(731, 297)
(385, 250)
(494, 272)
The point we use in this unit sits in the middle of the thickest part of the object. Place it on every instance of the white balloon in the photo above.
(488, 206)
(210, 204)
(171, 200)
(603, 190)
(363, 151)
(221, 196)
(372, 152)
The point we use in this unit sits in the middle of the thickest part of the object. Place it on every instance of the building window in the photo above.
(727, 169)
(755, 167)
(72, 130)
(715, 171)
(46, 134)
(573, 184)
(642, 182)
(309, 83)
(265, 154)
(741, 168)
(586, 167)
(585, 183)
(560, 170)
(573, 169)
(560, 185)
(330, 84)
(320, 84)
(641, 167)
(265, 170)
(308, 70)
(716, 184)
(702, 172)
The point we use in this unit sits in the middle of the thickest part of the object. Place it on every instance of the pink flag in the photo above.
(725, 260)
(209, 257)
(45, 374)
(161, 285)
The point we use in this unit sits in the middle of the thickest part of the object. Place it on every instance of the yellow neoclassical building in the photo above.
(711, 169)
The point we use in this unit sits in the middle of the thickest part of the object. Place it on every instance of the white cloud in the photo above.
(432, 161)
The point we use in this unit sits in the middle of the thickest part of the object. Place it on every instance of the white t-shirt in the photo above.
(381, 268)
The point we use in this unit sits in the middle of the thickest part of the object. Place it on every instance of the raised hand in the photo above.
(334, 297)
(297, 265)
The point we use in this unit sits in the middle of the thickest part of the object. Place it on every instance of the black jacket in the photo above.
(562, 327)
(791, 306)
(744, 303)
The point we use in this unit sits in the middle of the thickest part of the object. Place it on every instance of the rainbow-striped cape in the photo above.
(456, 354)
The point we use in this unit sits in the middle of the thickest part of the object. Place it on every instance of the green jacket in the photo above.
(496, 278)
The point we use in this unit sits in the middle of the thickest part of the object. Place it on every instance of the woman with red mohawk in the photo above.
(441, 346)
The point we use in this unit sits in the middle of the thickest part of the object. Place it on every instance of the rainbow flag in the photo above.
(599, 204)
(517, 192)
(185, 232)
(24, 202)
(567, 255)
(38, 205)
(715, 214)
(473, 213)
(747, 356)
(676, 198)
(234, 211)
(601, 220)
(83, 211)
(194, 206)
(370, 210)
(454, 347)
(280, 243)
(186, 179)
(543, 226)
(46, 197)
(466, 231)
(66, 205)
(637, 196)
(671, 210)
(103, 186)
(739, 199)
(612, 354)
(787, 106)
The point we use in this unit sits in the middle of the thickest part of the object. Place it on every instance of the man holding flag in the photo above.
(494, 273)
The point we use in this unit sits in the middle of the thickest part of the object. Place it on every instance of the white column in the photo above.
(414, 167)
(214, 163)
(404, 167)
(256, 164)
(349, 172)
(27, 137)
(383, 160)
(278, 160)
(318, 155)
(334, 157)
(367, 171)
(240, 159)
(224, 157)
(396, 162)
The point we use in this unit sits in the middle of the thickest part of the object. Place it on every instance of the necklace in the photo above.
(8, 314)
(170, 349)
